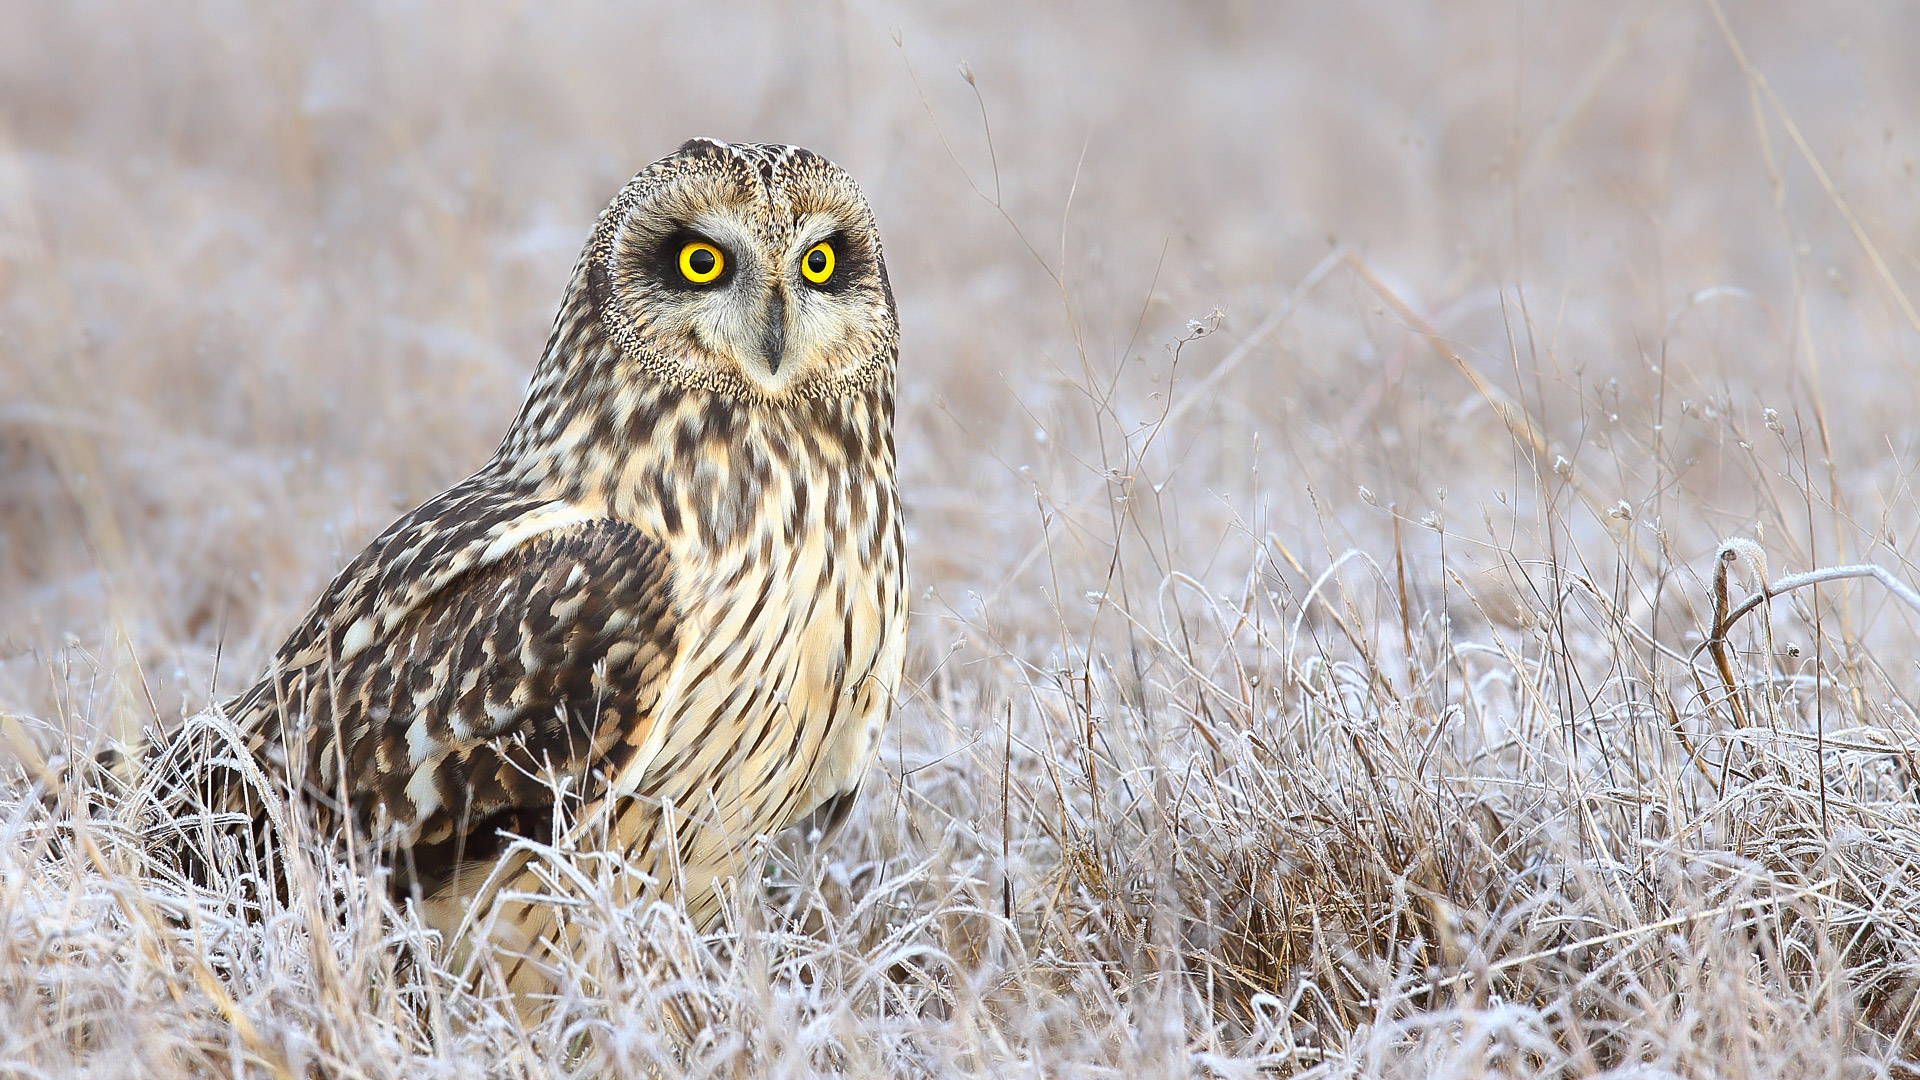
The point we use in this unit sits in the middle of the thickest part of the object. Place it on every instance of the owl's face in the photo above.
(753, 270)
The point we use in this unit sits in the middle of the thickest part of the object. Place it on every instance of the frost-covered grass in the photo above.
(1319, 430)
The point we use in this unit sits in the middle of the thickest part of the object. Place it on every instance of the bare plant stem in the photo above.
(1724, 616)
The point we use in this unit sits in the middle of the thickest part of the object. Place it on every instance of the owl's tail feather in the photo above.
(213, 814)
(190, 809)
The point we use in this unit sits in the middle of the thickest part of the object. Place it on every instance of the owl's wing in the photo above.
(533, 670)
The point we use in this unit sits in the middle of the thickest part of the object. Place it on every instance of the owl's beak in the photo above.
(773, 329)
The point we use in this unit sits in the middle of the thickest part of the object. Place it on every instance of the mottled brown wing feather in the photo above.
(539, 669)
(529, 674)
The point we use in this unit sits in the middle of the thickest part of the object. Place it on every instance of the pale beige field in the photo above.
(1318, 424)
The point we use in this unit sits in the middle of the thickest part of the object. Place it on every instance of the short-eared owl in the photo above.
(675, 596)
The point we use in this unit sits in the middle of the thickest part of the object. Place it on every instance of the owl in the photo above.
(666, 618)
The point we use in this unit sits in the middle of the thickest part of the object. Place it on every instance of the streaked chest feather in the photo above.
(788, 581)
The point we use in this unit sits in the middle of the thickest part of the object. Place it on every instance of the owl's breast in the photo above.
(791, 625)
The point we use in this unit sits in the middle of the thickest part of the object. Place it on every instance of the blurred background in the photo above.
(271, 274)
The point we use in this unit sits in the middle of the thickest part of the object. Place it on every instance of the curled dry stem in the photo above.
(1736, 549)
(1725, 614)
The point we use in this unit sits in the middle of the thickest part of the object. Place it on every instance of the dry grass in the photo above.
(1318, 429)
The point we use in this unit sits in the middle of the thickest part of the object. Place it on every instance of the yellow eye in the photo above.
(817, 264)
(701, 262)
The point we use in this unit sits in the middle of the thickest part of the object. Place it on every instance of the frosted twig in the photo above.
(1724, 616)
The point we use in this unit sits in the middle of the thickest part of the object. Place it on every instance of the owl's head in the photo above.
(748, 269)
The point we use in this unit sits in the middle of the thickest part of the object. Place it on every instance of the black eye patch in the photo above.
(684, 250)
(850, 260)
